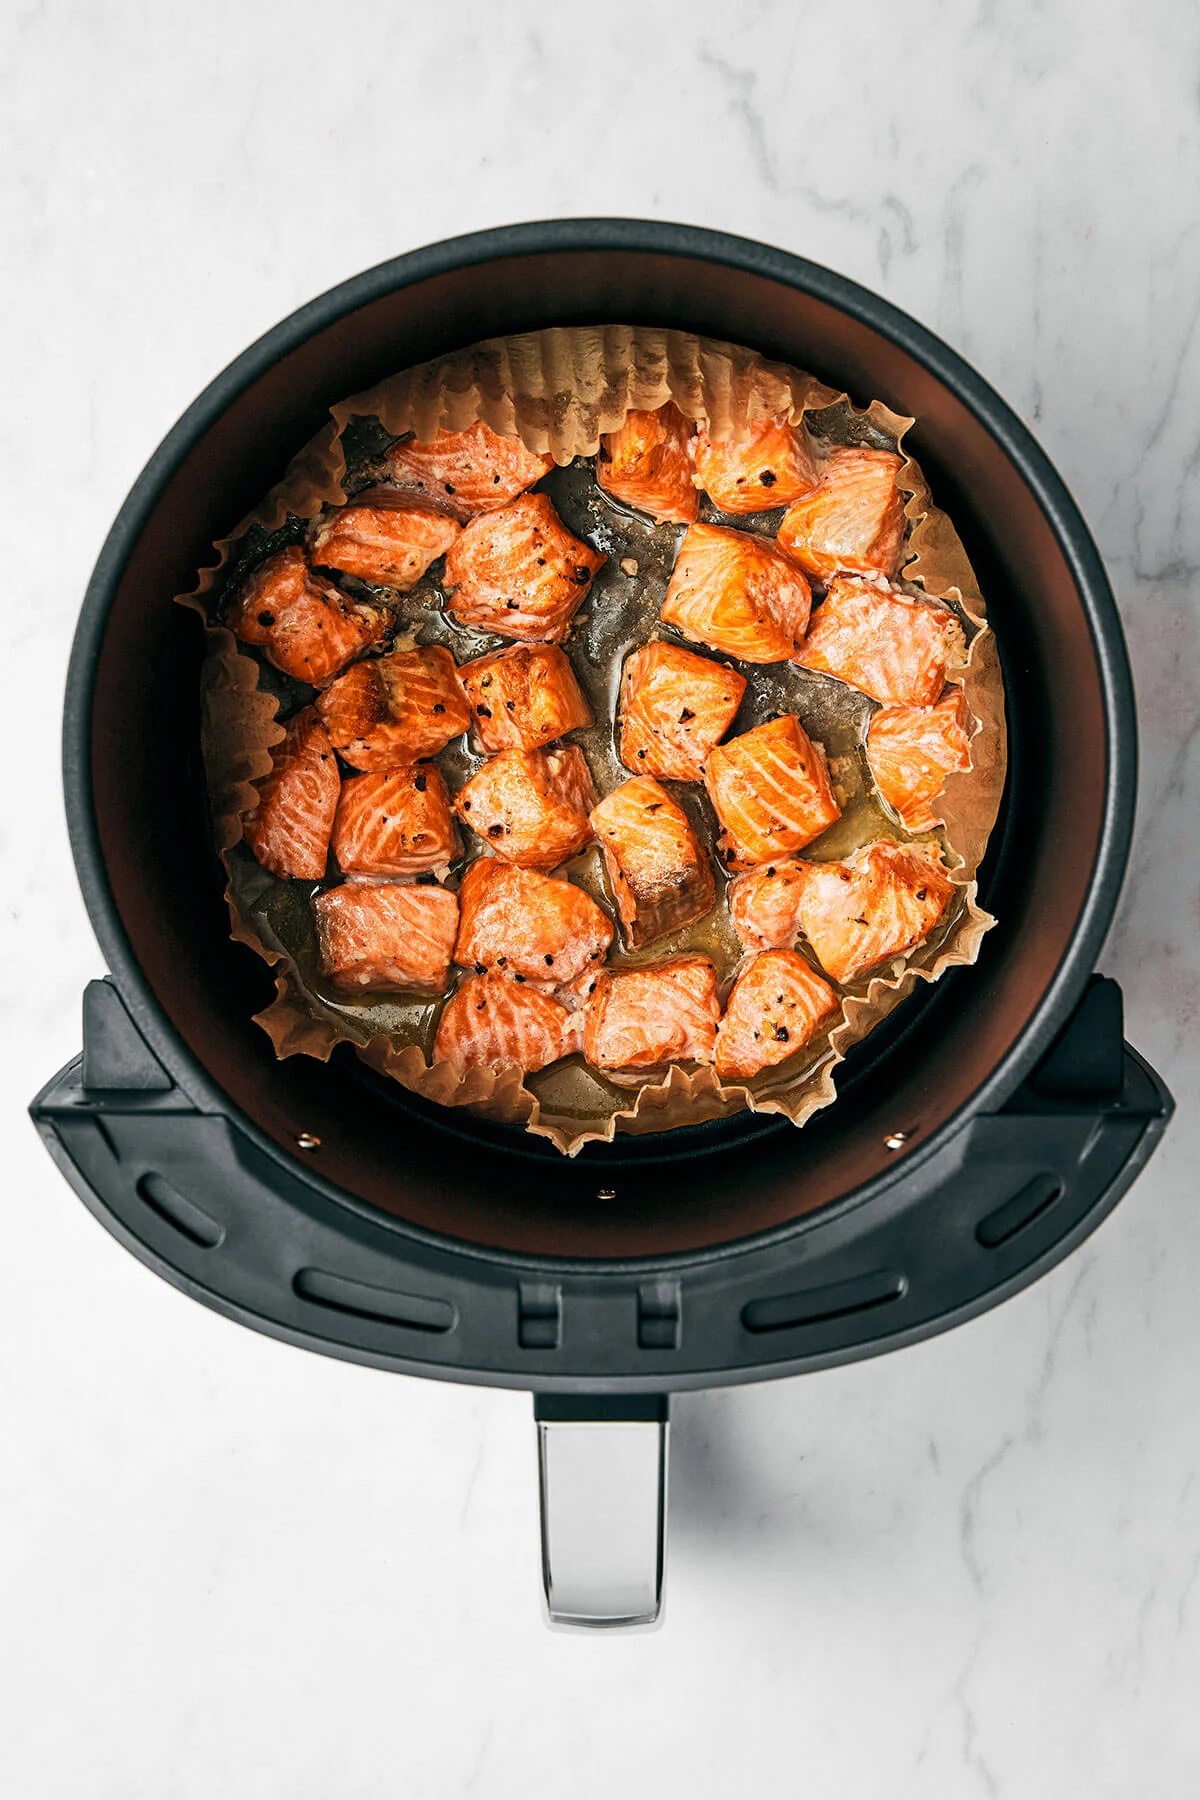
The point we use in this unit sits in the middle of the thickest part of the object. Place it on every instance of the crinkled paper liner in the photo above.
(560, 390)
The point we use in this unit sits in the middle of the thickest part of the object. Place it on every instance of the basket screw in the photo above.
(306, 1141)
(896, 1140)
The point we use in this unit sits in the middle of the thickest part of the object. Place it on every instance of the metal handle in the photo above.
(602, 1467)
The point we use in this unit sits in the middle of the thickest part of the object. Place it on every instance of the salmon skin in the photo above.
(531, 806)
(776, 1006)
(770, 790)
(852, 521)
(497, 1022)
(395, 823)
(912, 749)
(660, 1013)
(646, 463)
(660, 874)
(467, 472)
(383, 540)
(764, 904)
(545, 930)
(884, 642)
(883, 900)
(290, 825)
(386, 936)
(738, 595)
(772, 466)
(675, 706)
(395, 709)
(519, 572)
(524, 697)
(306, 627)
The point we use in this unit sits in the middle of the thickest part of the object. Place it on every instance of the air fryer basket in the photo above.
(979, 1134)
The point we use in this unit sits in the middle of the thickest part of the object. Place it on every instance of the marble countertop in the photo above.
(969, 1568)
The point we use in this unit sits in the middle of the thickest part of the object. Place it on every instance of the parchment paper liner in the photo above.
(560, 390)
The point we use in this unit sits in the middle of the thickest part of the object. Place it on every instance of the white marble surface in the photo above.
(228, 1568)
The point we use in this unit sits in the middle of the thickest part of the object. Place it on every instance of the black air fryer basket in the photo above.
(980, 1133)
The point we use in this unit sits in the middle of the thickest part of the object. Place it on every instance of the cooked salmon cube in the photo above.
(520, 572)
(524, 697)
(852, 521)
(531, 806)
(497, 1022)
(663, 1012)
(395, 709)
(776, 1006)
(386, 541)
(738, 595)
(302, 623)
(675, 706)
(660, 874)
(386, 936)
(646, 463)
(770, 790)
(912, 749)
(883, 900)
(883, 642)
(467, 472)
(528, 924)
(764, 904)
(289, 828)
(396, 822)
(771, 466)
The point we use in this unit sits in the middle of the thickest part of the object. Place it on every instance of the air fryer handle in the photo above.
(602, 1469)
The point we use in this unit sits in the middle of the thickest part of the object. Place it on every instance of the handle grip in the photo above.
(602, 1485)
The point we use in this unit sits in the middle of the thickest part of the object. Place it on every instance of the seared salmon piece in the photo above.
(303, 624)
(290, 826)
(395, 823)
(883, 900)
(395, 709)
(738, 595)
(545, 930)
(772, 466)
(852, 521)
(776, 1005)
(663, 1012)
(497, 1022)
(912, 749)
(770, 789)
(383, 540)
(660, 874)
(524, 697)
(675, 707)
(520, 572)
(467, 472)
(764, 904)
(387, 936)
(531, 806)
(883, 642)
(646, 463)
